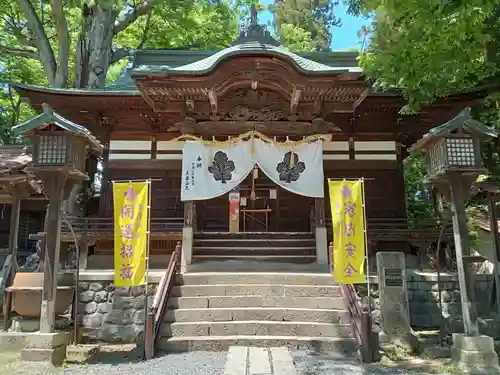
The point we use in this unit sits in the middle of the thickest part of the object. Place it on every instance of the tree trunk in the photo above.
(93, 52)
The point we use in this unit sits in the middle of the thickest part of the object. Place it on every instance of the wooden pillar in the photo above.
(462, 249)
(322, 256)
(187, 235)
(496, 242)
(56, 189)
(319, 212)
(83, 245)
(103, 198)
(10, 270)
(189, 214)
(14, 229)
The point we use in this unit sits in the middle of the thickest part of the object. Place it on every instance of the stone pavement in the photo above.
(242, 360)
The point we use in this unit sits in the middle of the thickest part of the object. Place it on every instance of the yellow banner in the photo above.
(346, 203)
(131, 222)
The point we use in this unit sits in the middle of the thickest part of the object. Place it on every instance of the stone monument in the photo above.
(394, 308)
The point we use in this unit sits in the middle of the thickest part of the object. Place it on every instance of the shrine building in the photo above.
(252, 90)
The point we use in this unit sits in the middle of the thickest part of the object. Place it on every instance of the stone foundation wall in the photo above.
(112, 314)
(423, 298)
(117, 315)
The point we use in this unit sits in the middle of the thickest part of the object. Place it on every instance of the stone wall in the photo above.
(423, 298)
(117, 315)
(112, 314)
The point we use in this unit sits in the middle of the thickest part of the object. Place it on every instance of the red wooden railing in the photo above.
(360, 318)
(361, 323)
(157, 310)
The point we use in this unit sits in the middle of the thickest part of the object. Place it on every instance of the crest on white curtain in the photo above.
(297, 168)
(212, 169)
(209, 171)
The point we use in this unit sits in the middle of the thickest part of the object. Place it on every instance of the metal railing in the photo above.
(157, 310)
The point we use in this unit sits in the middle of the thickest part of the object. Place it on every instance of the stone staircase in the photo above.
(214, 310)
(297, 247)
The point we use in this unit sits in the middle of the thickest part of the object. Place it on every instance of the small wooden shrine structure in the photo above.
(254, 84)
(16, 184)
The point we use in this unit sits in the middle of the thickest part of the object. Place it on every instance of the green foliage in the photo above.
(314, 17)
(296, 38)
(12, 109)
(419, 204)
(429, 49)
(193, 24)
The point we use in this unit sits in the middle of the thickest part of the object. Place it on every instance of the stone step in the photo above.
(286, 278)
(253, 235)
(295, 259)
(345, 346)
(264, 266)
(253, 250)
(255, 301)
(255, 242)
(264, 290)
(253, 327)
(258, 313)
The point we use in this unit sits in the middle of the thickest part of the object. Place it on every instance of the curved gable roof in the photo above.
(209, 63)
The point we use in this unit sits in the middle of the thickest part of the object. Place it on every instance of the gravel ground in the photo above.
(199, 363)
(126, 362)
(313, 364)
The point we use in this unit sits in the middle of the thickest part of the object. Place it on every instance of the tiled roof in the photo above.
(250, 48)
(463, 120)
(50, 117)
(13, 163)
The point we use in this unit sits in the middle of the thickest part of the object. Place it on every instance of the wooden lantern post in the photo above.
(454, 162)
(60, 148)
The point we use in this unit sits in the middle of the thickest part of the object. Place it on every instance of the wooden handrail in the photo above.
(5, 282)
(360, 317)
(398, 229)
(106, 224)
(157, 309)
(361, 322)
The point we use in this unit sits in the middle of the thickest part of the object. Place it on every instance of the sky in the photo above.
(344, 37)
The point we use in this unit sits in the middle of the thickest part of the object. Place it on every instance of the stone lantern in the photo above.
(60, 149)
(453, 152)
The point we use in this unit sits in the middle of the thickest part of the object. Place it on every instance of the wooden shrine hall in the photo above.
(256, 86)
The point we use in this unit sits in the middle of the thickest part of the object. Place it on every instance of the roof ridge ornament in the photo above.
(255, 32)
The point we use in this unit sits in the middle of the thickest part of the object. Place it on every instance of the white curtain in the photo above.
(211, 171)
(301, 173)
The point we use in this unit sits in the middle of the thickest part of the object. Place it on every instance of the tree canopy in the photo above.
(82, 43)
(430, 49)
(304, 24)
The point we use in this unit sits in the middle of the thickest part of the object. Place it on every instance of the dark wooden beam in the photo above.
(462, 249)
(54, 187)
(496, 243)
(14, 228)
(212, 97)
(294, 103)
